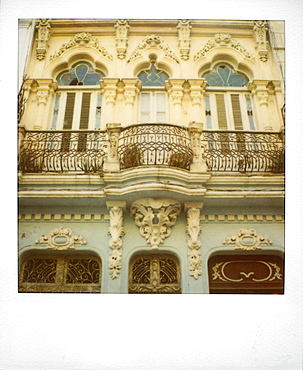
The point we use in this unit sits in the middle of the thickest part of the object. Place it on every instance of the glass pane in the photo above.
(161, 118)
(160, 101)
(153, 77)
(225, 75)
(80, 74)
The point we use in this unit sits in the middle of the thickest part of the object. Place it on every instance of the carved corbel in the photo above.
(184, 28)
(121, 38)
(61, 239)
(43, 27)
(193, 229)
(260, 32)
(155, 217)
(247, 239)
(116, 231)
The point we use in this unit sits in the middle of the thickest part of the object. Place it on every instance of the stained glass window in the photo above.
(153, 76)
(81, 73)
(225, 75)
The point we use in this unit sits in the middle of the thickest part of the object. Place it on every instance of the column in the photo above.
(260, 91)
(112, 163)
(109, 91)
(175, 89)
(197, 91)
(43, 90)
(131, 91)
(199, 163)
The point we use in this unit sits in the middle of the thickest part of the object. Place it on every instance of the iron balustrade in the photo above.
(243, 151)
(155, 144)
(63, 151)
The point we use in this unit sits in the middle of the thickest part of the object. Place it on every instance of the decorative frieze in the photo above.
(43, 27)
(156, 41)
(247, 239)
(82, 39)
(61, 238)
(184, 28)
(222, 39)
(116, 231)
(121, 38)
(260, 32)
(61, 217)
(193, 229)
(155, 217)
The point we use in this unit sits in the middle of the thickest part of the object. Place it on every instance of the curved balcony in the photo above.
(153, 145)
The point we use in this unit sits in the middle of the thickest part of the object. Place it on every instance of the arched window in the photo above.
(248, 273)
(45, 272)
(153, 98)
(228, 104)
(154, 274)
(78, 99)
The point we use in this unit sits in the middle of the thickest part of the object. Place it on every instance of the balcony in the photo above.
(151, 145)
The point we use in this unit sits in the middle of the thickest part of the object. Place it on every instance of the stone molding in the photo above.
(116, 231)
(222, 39)
(122, 27)
(155, 217)
(43, 27)
(184, 28)
(247, 239)
(69, 239)
(153, 41)
(260, 32)
(83, 39)
(193, 229)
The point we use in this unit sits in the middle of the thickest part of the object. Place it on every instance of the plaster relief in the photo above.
(247, 239)
(61, 238)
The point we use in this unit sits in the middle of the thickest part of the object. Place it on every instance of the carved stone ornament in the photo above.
(184, 28)
(121, 38)
(260, 32)
(193, 230)
(43, 27)
(116, 231)
(42, 97)
(247, 239)
(155, 216)
(61, 239)
(82, 38)
(222, 39)
(153, 40)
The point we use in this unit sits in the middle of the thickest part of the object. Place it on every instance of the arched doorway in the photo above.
(154, 274)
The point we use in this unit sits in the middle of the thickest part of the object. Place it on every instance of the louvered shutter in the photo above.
(84, 116)
(236, 108)
(69, 111)
(221, 112)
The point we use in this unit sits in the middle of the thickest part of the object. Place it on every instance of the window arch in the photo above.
(154, 274)
(227, 101)
(78, 100)
(44, 272)
(246, 273)
(153, 98)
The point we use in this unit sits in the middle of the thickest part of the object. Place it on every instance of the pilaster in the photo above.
(198, 164)
(131, 91)
(260, 91)
(109, 90)
(197, 91)
(112, 163)
(45, 87)
(175, 89)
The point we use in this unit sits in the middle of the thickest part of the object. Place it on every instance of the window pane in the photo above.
(160, 101)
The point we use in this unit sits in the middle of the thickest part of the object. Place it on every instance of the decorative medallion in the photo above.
(116, 231)
(222, 39)
(247, 239)
(155, 216)
(82, 38)
(152, 40)
(61, 239)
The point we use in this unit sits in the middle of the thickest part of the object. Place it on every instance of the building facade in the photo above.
(151, 157)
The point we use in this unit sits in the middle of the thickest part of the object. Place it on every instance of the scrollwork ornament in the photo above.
(43, 28)
(260, 31)
(61, 238)
(155, 217)
(247, 239)
(193, 229)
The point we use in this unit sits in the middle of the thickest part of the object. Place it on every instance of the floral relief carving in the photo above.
(43, 28)
(152, 40)
(247, 239)
(184, 28)
(42, 97)
(116, 231)
(61, 238)
(121, 38)
(82, 38)
(193, 230)
(222, 39)
(260, 32)
(155, 217)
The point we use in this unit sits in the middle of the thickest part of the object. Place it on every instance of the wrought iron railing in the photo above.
(243, 151)
(63, 151)
(155, 144)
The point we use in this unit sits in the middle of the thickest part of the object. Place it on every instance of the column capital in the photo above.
(189, 205)
(116, 203)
